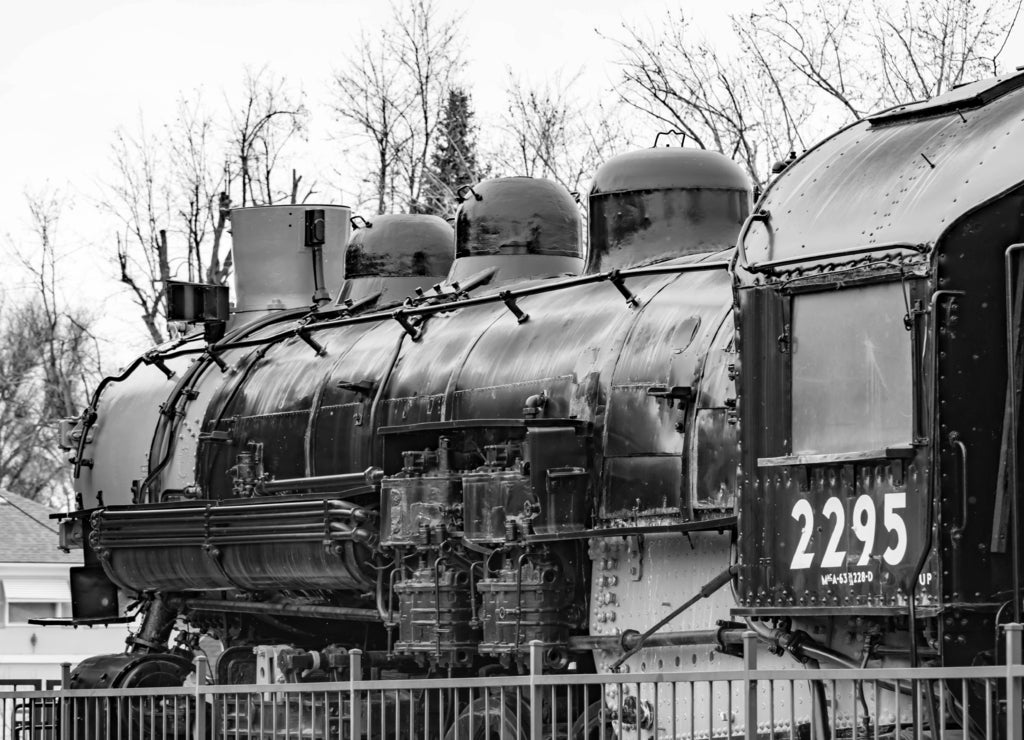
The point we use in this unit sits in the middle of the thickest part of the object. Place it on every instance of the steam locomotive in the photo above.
(711, 420)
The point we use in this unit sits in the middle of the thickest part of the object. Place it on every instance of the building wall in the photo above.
(32, 651)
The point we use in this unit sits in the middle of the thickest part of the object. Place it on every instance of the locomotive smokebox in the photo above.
(656, 204)
(395, 254)
(273, 265)
(525, 227)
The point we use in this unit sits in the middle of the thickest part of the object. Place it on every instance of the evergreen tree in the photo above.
(453, 161)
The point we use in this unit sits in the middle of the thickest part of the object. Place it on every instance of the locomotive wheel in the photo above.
(136, 717)
(594, 724)
(490, 719)
(151, 716)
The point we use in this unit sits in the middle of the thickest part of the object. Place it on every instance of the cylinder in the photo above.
(273, 267)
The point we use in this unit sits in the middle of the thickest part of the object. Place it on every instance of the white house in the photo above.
(34, 584)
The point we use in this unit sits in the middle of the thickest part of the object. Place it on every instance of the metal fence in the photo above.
(968, 702)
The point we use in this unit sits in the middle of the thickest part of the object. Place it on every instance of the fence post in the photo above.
(65, 713)
(536, 691)
(355, 673)
(749, 685)
(200, 664)
(1014, 695)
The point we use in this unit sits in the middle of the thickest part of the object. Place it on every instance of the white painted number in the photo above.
(802, 558)
(864, 526)
(894, 523)
(834, 557)
(863, 523)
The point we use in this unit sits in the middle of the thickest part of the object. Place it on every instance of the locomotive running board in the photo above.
(428, 426)
(704, 525)
(91, 622)
(831, 611)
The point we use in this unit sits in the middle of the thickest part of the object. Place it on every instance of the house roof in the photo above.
(27, 534)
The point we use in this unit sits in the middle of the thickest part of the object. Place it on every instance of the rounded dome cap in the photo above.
(525, 227)
(400, 245)
(518, 215)
(667, 169)
(659, 204)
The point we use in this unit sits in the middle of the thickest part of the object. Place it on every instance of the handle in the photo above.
(673, 132)
(961, 448)
(461, 193)
(741, 248)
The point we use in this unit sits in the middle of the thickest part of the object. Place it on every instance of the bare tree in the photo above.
(139, 197)
(373, 99)
(171, 192)
(270, 116)
(553, 133)
(428, 50)
(392, 92)
(738, 106)
(870, 54)
(202, 205)
(48, 360)
(803, 68)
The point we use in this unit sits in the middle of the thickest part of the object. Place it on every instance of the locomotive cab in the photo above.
(877, 407)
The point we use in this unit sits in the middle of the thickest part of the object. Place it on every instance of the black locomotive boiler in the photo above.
(538, 443)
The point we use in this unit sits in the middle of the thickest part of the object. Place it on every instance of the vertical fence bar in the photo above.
(749, 685)
(355, 673)
(65, 714)
(1014, 695)
(200, 665)
(169, 716)
(536, 698)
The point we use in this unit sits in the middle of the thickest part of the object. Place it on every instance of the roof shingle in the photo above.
(27, 534)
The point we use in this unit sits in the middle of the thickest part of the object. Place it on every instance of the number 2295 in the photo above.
(863, 524)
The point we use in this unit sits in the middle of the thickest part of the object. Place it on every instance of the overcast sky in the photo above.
(72, 71)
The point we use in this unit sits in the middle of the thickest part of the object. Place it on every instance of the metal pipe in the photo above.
(519, 599)
(304, 507)
(370, 476)
(89, 415)
(1011, 370)
(631, 639)
(305, 314)
(156, 627)
(805, 258)
(462, 302)
(341, 613)
(437, 604)
(379, 395)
